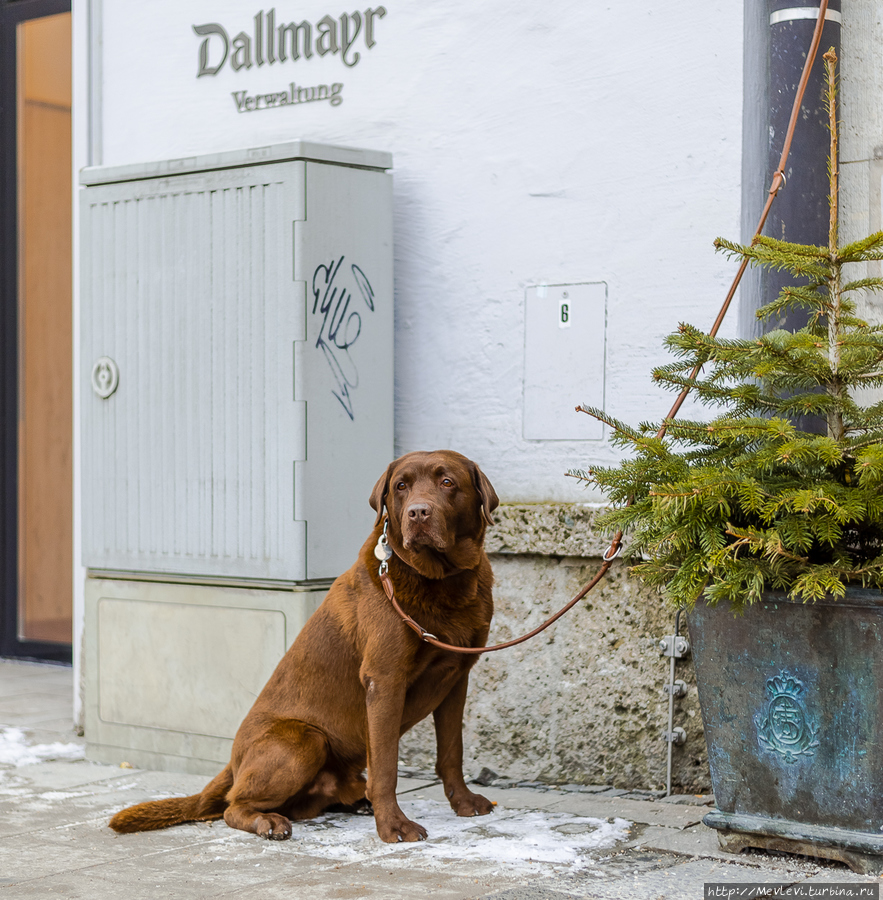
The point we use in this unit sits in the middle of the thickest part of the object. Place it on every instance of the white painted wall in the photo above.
(565, 142)
(861, 132)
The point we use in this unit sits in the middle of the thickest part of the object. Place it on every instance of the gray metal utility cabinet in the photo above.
(237, 346)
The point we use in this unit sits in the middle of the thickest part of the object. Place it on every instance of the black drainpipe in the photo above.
(777, 36)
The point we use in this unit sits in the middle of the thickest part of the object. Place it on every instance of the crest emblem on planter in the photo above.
(785, 728)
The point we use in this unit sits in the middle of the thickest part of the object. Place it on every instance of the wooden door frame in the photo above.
(12, 12)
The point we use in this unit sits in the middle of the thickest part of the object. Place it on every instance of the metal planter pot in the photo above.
(792, 703)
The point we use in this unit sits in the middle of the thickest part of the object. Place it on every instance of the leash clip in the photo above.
(382, 550)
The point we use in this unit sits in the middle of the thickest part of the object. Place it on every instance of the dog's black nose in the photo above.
(419, 512)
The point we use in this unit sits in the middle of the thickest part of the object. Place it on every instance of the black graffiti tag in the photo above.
(340, 326)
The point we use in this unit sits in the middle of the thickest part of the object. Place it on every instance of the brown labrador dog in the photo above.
(357, 678)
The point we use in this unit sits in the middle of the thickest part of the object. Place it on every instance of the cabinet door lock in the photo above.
(105, 377)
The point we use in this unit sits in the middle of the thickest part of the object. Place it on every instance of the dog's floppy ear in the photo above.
(378, 495)
(489, 499)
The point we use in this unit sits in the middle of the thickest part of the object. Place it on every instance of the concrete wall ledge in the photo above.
(548, 529)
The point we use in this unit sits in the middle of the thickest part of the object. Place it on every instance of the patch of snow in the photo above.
(510, 838)
(64, 795)
(15, 750)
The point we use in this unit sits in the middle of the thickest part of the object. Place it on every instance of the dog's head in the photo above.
(439, 505)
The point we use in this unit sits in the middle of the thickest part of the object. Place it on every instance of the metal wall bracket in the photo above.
(675, 736)
(674, 645)
(677, 689)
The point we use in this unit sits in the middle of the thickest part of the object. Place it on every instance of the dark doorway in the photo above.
(36, 474)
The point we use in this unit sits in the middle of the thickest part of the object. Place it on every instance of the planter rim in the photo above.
(865, 598)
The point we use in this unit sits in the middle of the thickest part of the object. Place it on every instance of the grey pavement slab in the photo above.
(697, 840)
(680, 881)
(644, 811)
(38, 698)
(530, 893)
(33, 704)
(539, 844)
(579, 804)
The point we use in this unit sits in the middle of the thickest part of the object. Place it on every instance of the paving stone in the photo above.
(640, 795)
(689, 799)
(696, 840)
(645, 812)
(529, 893)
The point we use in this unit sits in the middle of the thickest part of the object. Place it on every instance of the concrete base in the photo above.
(171, 669)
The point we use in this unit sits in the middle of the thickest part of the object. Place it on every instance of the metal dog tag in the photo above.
(382, 550)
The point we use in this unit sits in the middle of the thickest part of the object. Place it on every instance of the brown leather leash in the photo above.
(424, 635)
(384, 552)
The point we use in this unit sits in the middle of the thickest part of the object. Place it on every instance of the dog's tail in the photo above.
(203, 807)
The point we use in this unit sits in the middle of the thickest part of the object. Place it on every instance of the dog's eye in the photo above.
(401, 486)
(446, 482)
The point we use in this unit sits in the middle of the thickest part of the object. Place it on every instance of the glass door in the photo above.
(36, 312)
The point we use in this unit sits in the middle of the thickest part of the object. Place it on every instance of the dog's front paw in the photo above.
(401, 829)
(273, 827)
(469, 804)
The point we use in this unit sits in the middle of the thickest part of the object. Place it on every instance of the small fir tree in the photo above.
(749, 501)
